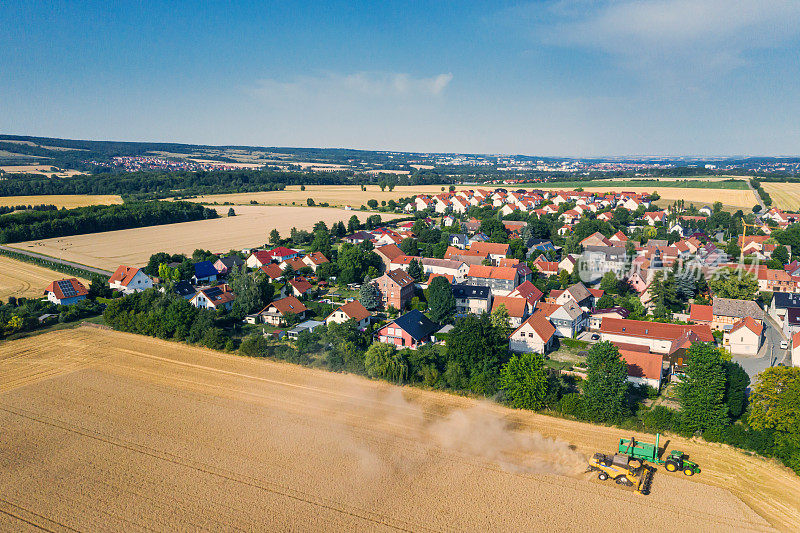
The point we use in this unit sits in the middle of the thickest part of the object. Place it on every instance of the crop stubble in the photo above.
(118, 431)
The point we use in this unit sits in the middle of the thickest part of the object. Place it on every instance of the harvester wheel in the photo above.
(602, 476)
(622, 480)
(670, 466)
(688, 472)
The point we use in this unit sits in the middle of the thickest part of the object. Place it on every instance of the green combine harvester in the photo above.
(644, 451)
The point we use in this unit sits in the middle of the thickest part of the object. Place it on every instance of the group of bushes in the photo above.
(765, 197)
(21, 314)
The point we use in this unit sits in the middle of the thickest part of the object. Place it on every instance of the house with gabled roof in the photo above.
(219, 297)
(350, 311)
(314, 260)
(258, 258)
(204, 273)
(535, 335)
(529, 291)
(744, 337)
(501, 280)
(228, 264)
(66, 291)
(517, 307)
(300, 286)
(474, 299)
(128, 280)
(410, 330)
(644, 368)
(272, 270)
(672, 340)
(493, 250)
(277, 312)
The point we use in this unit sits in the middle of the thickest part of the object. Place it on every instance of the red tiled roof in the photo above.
(489, 248)
(749, 323)
(389, 251)
(654, 330)
(272, 270)
(77, 287)
(514, 305)
(355, 310)
(301, 285)
(538, 321)
(529, 291)
(701, 313)
(317, 258)
(401, 277)
(642, 365)
(448, 277)
(123, 275)
(288, 305)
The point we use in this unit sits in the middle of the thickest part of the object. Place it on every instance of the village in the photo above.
(562, 269)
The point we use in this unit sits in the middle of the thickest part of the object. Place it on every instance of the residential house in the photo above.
(795, 348)
(493, 250)
(129, 279)
(357, 237)
(411, 330)
(596, 239)
(644, 368)
(204, 273)
(782, 303)
(518, 308)
(293, 264)
(546, 268)
(388, 253)
(501, 280)
(277, 312)
(458, 240)
(654, 217)
(568, 263)
(184, 289)
(535, 335)
(350, 311)
(568, 319)
(282, 253)
(671, 340)
(272, 271)
(66, 291)
(396, 288)
(228, 264)
(300, 286)
(597, 316)
(578, 293)
(727, 312)
(474, 299)
(447, 267)
(745, 337)
(529, 291)
(218, 297)
(258, 259)
(598, 260)
(314, 260)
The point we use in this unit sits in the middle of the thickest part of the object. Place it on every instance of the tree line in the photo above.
(30, 225)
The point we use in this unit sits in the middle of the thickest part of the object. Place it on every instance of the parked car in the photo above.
(595, 336)
(784, 345)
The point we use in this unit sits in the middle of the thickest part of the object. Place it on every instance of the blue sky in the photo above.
(582, 78)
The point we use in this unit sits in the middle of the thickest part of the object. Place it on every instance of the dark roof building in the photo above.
(417, 325)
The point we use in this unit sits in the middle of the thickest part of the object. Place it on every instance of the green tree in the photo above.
(274, 237)
(384, 361)
(369, 295)
(310, 202)
(501, 320)
(702, 390)
(736, 383)
(606, 301)
(730, 283)
(609, 283)
(231, 212)
(775, 403)
(780, 254)
(606, 383)
(353, 225)
(475, 352)
(372, 204)
(409, 246)
(415, 270)
(441, 301)
(524, 380)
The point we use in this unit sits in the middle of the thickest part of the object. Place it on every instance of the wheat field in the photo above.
(112, 431)
(62, 200)
(250, 228)
(18, 278)
(784, 196)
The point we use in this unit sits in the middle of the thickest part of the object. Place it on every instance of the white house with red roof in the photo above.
(258, 259)
(282, 253)
(128, 279)
(350, 311)
(66, 291)
(796, 349)
(535, 335)
(745, 337)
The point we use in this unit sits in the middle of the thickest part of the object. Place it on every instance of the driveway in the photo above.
(770, 353)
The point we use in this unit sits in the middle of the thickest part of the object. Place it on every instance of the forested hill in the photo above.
(30, 225)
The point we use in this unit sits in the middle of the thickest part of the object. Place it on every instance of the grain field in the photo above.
(62, 200)
(784, 196)
(248, 229)
(18, 278)
(111, 431)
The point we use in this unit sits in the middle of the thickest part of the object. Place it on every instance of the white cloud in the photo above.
(687, 36)
(373, 85)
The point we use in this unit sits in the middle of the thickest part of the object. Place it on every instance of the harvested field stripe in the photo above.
(27, 516)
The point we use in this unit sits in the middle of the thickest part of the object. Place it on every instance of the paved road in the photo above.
(758, 196)
(57, 260)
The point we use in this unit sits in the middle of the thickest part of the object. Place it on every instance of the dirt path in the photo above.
(105, 430)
